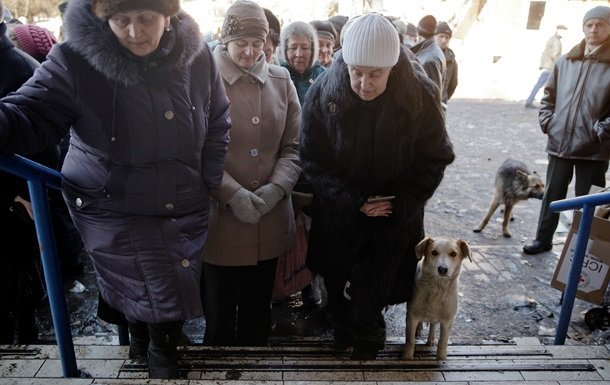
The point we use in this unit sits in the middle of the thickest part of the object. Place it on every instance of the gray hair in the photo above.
(303, 29)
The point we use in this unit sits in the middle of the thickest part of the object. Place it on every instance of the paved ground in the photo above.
(504, 293)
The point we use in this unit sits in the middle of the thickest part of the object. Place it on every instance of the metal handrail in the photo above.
(588, 204)
(39, 178)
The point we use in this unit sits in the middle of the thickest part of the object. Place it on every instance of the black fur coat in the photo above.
(350, 149)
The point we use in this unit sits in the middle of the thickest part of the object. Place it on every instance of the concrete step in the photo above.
(523, 361)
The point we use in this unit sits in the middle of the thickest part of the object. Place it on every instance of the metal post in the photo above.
(584, 229)
(52, 274)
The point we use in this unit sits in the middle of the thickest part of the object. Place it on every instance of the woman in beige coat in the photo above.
(251, 221)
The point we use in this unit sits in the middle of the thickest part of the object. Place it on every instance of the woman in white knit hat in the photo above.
(372, 128)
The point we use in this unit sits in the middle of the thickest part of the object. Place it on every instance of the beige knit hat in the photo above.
(244, 19)
(371, 41)
(106, 8)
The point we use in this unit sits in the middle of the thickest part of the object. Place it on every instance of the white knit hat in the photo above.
(371, 41)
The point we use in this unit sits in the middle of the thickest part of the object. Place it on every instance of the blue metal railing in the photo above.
(588, 204)
(39, 178)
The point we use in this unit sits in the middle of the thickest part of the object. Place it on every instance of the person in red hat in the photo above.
(34, 40)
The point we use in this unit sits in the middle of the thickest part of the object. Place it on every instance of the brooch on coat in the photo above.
(332, 107)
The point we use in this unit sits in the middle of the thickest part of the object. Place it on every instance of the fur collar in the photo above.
(406, 86)
(92, 38)
(578, 52)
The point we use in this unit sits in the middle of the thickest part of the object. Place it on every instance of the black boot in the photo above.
(162, 353)
(138, 340)
(366, 350)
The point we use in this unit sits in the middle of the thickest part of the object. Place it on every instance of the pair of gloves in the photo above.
(249, 206)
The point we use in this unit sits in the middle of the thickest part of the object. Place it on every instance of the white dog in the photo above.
(435, 298)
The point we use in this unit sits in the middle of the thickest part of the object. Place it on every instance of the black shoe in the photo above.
(162, 350)
(366, 350)
(342, 339)
(311, 294)
(537, 247)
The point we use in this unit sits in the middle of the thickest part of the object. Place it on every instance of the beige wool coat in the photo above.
(266, 119)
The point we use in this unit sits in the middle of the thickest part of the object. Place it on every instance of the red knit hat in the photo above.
(34, 40)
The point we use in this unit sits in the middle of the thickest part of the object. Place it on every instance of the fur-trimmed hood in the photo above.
(94, 40)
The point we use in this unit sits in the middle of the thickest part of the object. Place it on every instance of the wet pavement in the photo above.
(503, 294)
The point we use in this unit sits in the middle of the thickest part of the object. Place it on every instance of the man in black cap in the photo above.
(450, 81)
(428, 53)
(576, 119)
(552, 51)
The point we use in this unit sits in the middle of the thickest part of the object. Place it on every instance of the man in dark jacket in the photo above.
(443, 37)
(428, 53)
(576, 119)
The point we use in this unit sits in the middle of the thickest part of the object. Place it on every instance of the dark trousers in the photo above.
(237, 303)
(558, 177)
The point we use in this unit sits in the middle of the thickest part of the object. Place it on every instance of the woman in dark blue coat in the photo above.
(137, 87)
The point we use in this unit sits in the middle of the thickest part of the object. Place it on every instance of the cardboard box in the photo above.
(595, 273)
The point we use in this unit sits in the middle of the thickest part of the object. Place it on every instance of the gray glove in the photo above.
(243, 205)
(271, 194)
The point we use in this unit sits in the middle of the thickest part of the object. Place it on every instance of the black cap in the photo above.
(443, 27)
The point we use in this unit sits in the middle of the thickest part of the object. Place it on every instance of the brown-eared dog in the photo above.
(435, 299)
(514, 183)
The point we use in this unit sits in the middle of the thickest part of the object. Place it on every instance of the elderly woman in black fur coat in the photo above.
(374, 147)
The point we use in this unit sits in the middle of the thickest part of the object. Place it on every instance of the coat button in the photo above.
(252, 80)
(79, 202)
(255, 120)
(169, 115)
(169, 206)
(185, 263)
(193, 108)
(254, 184)
(254, 152)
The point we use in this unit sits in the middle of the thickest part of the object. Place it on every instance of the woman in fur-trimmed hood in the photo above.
(372, 126)
(137, 87)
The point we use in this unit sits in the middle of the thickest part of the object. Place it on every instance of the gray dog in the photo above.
(514, 183)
